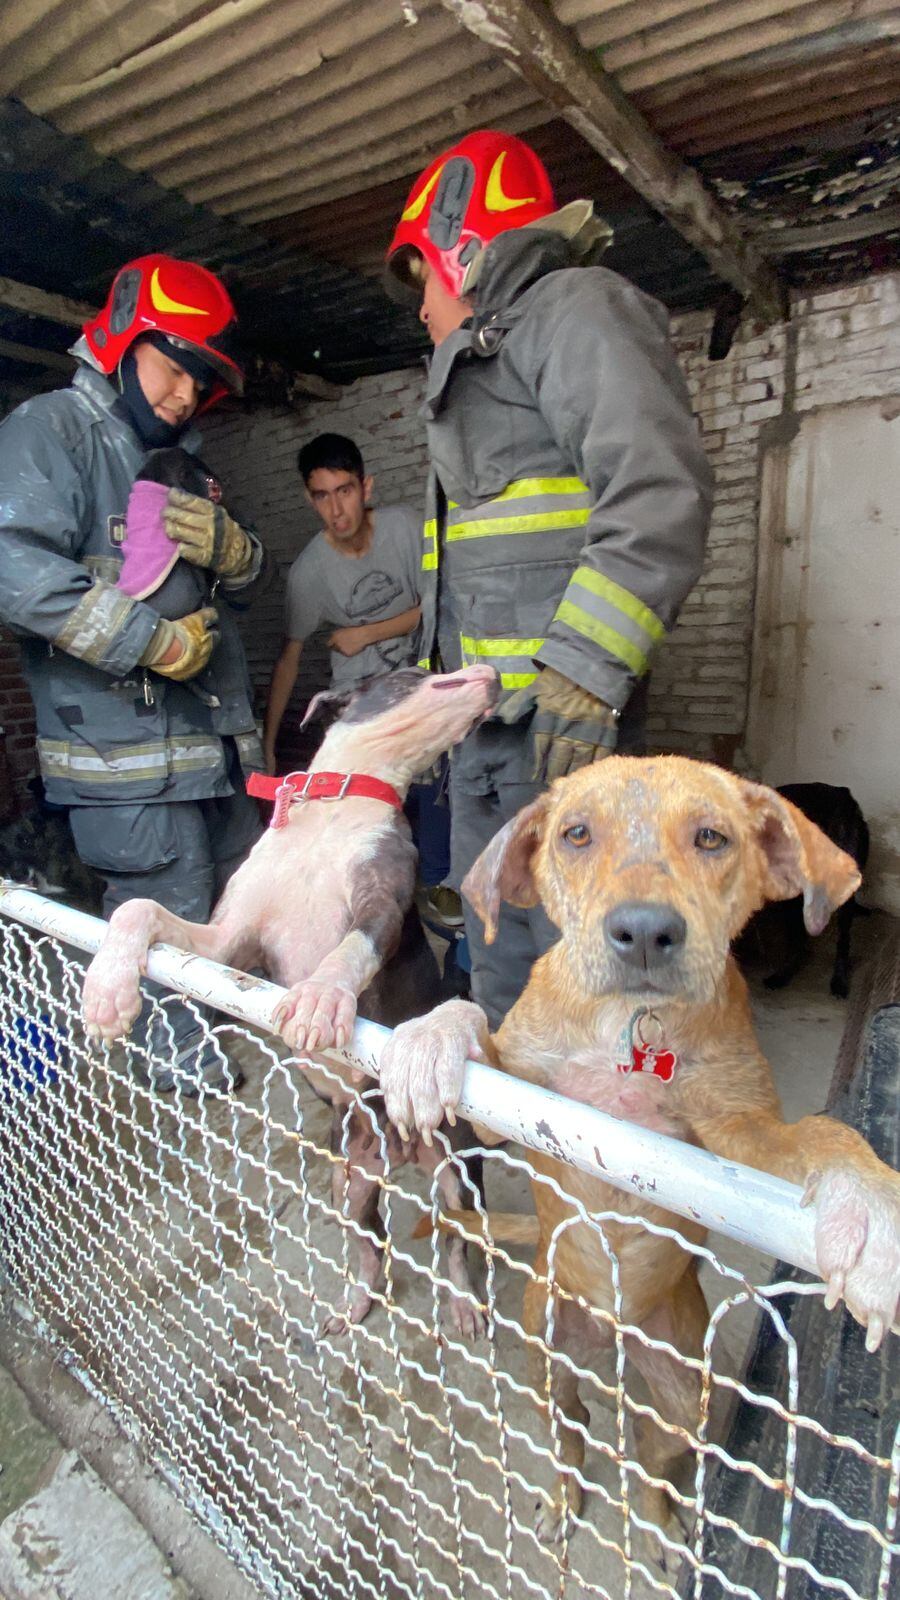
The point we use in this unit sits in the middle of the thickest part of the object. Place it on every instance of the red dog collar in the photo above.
(317, 786)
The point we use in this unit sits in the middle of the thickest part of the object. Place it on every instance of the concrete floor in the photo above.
(204, 1261)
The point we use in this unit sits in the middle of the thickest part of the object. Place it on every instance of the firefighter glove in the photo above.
(206, 535)
(571, 727)
(197, 637)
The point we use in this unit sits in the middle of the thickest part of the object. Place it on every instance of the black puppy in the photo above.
(777, 933)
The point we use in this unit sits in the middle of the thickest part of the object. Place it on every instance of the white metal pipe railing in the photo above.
(752, 1207)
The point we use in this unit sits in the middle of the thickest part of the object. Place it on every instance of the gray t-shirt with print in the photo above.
(327, 589)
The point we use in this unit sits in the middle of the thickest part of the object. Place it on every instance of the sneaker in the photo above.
(444, 905)
(198, 1062)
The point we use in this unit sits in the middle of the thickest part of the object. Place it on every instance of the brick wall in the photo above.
(841, 345)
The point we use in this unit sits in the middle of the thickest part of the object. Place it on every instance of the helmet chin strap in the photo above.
(153, 433)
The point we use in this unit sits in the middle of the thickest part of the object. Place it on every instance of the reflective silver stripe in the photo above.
(96, 621)
(513, 659)
(192, 755)
(609, 615)
(134, 762)
(430, 545)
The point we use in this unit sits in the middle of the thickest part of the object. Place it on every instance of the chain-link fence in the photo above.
(197, 1258)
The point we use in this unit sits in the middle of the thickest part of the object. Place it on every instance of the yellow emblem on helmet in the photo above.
(163, 302)
(417, 206)
(494, 198)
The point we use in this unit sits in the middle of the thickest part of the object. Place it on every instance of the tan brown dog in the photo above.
(650, 868)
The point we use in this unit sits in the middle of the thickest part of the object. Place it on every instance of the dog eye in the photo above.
(578, 834)
(710, 839)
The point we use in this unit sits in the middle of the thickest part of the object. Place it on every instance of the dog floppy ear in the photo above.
(799, 857)
(503, 871)
(327, 705)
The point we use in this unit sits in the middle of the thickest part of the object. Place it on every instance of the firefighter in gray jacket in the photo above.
(569, 496)
(145, 726)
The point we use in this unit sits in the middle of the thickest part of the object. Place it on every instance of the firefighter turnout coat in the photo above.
(109, 732)
(570, 494)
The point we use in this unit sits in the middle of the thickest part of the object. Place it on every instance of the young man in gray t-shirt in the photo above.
(359, 576)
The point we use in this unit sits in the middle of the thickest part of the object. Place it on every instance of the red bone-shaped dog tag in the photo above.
(661, 1063)
(643, 1056)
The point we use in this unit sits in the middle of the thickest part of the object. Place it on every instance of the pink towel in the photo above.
(148, 554)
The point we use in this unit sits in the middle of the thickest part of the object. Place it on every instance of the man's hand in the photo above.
(571, 727)
(349, 641)
(206, 535)
(181, 649)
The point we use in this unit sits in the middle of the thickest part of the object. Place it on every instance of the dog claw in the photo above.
(874, 1333)
(834, 1290)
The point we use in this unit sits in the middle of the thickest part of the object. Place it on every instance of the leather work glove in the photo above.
(206, 535)
(196, 636)
(571, 727)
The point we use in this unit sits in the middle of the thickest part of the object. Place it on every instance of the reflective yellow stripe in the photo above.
(130, 763)
(520, 487)
(516, 680)
(500, 647)
(468, 526)
(529, 522)
(430, 552)
(524, 488)
(425, 663)
(600, 633)
(621, 599)
(510, 650)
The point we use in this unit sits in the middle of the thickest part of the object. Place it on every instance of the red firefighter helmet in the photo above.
(488, 183)
(182, 301)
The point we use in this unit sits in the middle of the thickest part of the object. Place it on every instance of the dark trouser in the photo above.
(501, 970)
(430, 823)
(180, 853)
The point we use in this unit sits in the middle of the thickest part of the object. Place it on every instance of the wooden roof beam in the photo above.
(38, 303)
(548, 56)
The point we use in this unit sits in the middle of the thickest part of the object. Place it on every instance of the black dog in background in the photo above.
(777, 933)
(37, 851)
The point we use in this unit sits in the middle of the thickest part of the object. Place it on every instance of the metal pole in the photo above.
(760, 1211)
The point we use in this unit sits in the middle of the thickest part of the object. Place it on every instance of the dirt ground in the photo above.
(188, 1252)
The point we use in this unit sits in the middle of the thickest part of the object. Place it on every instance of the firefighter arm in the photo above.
(611, 392)
(349, 641)
(284, 677)
(45, 590)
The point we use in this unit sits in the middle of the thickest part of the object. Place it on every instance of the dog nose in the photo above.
(643, 933)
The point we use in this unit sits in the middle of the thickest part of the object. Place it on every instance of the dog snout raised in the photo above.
(480, 674)
(644, 933)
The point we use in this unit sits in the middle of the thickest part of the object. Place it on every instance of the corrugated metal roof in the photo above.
(299, 125)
